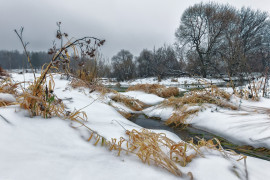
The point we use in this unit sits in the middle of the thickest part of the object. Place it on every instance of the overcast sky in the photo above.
(125, 24)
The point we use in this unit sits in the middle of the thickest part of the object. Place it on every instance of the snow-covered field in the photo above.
(167, 82)
(38, 148)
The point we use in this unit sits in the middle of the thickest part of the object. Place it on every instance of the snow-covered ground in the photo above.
(167, 82)
(248, 126)
(149, 99)
(37, 148)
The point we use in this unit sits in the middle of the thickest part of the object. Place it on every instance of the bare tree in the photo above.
(145, 63)
(123, 65)
(202, 28)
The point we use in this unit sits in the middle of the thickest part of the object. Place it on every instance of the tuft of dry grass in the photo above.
(3, 73)
(179, 118)
(123, 113)
(191, 103)
(254, 90)
(159, 90)
(132, 103)
(78, 83)
(87, 73)
(40, 100)
(156, 148)
(8, 86)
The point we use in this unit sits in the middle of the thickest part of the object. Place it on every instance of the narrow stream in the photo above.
(190, 132)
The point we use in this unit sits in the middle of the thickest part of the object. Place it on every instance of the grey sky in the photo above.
(125, 24)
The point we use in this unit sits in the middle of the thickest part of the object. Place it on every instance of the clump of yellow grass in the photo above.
(158, 149)
(192, 102)
(7, 86)
(79, 83)
(132, 103)
(159, 90)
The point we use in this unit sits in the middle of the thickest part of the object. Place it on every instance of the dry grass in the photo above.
(159, 90)
(79, 83)
(174, 80)
(3, 73)
(156, 148)
(254, 90)
(191, 103)
(42, 101)
(88, 76)
(7, 86)
(123, 113)
(132, 103)
(179, 118)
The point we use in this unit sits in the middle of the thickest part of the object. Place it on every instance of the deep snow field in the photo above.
(57, 149)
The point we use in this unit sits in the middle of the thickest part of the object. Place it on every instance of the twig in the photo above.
(7, 121)
(24, 47)
(119, 124)
(245, 162)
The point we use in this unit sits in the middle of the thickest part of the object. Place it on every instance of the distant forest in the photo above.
(17, 60)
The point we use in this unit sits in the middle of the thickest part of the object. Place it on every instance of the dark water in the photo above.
(118, 89)
(189, 132)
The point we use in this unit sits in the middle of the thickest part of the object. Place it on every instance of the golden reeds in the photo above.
(158, 149)
(132, 103)
(159, 90)
(191, 103)
(7, 86)
(41, 101)
(79, 83)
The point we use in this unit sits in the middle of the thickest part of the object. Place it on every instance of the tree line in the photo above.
(211, 40)
(18, 60)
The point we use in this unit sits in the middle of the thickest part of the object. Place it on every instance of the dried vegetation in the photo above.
(40, 100)
(132, 103)
(3, 73)
(92, 86)
(256, 88)
(192, 102)
(159, 90)
(7, 86)
(156, 148)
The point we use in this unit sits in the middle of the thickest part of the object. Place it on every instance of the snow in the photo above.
(7, 97)
(248, 126)
(238, 127)
(157, 111)
(149, 99)
(55, 149)
(168, 81)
